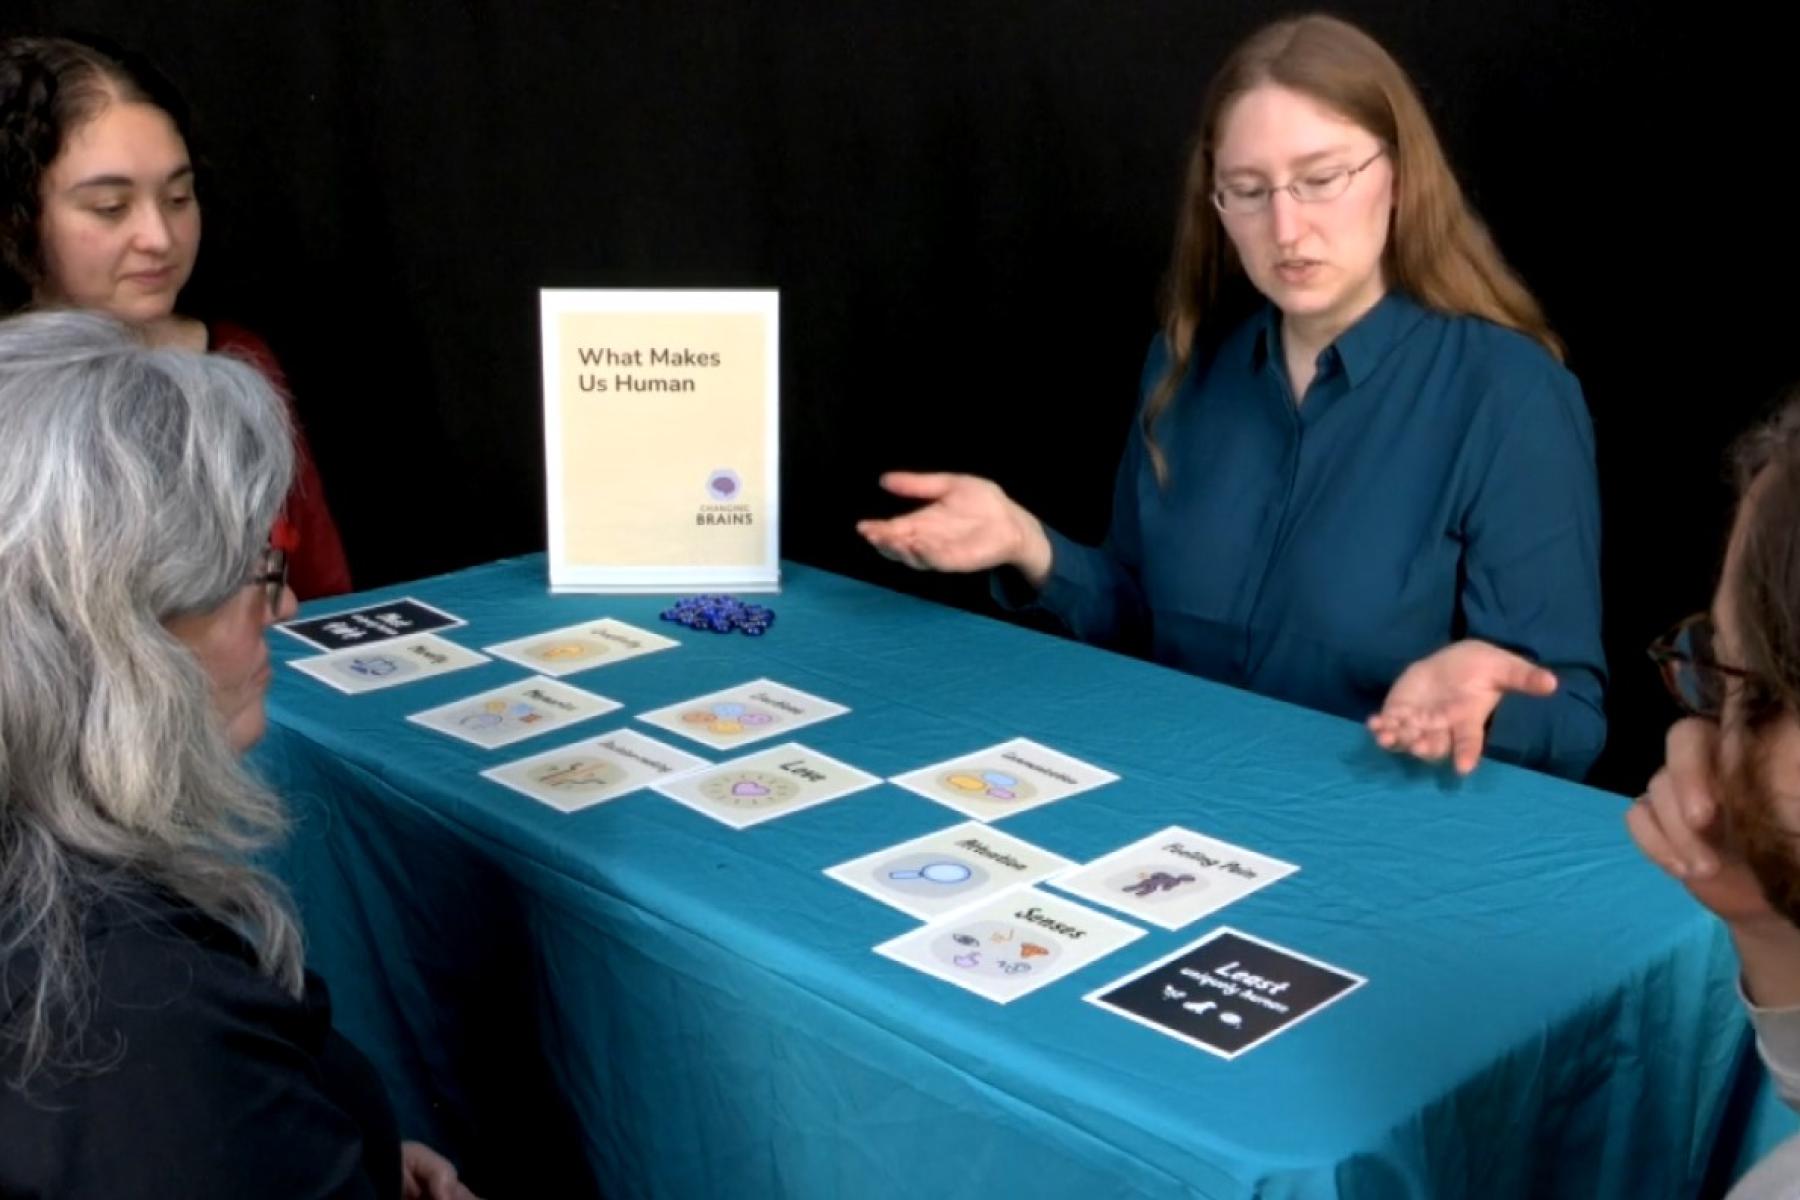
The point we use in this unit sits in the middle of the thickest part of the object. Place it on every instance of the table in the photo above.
(638, 999)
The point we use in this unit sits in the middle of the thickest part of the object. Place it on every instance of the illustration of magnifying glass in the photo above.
(937, 872)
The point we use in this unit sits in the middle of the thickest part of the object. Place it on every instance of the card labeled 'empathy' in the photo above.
(574, 777)
(1004, 779)
(1013, 944)
(514, 712)
(771, 783)
(947, 870)
(575, 648)
(1175, 877)
(747, 713)
(1227, 992)
(388, 664)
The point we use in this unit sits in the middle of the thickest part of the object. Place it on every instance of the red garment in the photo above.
(316, 562)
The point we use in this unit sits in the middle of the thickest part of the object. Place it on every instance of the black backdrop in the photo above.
(967, 208)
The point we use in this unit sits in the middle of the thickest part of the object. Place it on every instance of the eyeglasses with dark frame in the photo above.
(272, 575)
(1691, 670)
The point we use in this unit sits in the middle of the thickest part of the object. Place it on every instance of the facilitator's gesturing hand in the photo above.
(1439, 707)
(965, 523)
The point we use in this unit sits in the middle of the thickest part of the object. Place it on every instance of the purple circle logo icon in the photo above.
(723, 485)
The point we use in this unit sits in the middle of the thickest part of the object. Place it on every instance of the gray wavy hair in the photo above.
(136, 485)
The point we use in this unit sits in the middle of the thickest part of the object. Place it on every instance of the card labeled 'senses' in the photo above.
(1012, 944)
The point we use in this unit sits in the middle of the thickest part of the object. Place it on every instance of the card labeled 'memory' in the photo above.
(514, 712)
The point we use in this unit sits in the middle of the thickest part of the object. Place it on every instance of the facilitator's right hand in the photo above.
(965, 523)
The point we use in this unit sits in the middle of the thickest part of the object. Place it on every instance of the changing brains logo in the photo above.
(725, 489)
(723, 485)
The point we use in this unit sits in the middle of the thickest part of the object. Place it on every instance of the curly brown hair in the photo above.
(1766, 462)
(49, 87)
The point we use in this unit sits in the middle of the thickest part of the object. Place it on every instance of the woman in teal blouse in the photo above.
(1362, 496)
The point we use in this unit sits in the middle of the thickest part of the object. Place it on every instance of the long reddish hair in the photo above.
(1438, 251)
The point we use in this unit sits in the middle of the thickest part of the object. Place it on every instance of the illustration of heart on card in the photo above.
(768, 784)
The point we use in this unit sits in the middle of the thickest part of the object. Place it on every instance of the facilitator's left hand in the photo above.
(1440, 706)
(427, 1175)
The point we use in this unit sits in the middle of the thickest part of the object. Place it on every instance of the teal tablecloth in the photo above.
(639, 998)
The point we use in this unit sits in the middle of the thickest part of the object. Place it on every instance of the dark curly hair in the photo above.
(50, 87)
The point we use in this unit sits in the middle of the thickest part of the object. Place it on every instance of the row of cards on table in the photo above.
(988, 927)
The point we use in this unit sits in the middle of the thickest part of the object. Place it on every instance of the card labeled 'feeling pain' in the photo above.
(1175, 877)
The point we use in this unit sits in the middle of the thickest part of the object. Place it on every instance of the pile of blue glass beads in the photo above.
(721, 614)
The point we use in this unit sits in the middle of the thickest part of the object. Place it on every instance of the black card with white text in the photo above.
(373, 623)
(1227, 992)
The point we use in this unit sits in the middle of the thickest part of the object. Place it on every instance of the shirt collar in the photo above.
(1360, 348)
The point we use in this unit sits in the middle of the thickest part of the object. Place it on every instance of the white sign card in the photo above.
(662, 439)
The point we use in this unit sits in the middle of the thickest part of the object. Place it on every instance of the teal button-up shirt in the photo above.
(1436, 483)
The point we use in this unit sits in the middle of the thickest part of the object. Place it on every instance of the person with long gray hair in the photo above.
(159, 1033)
